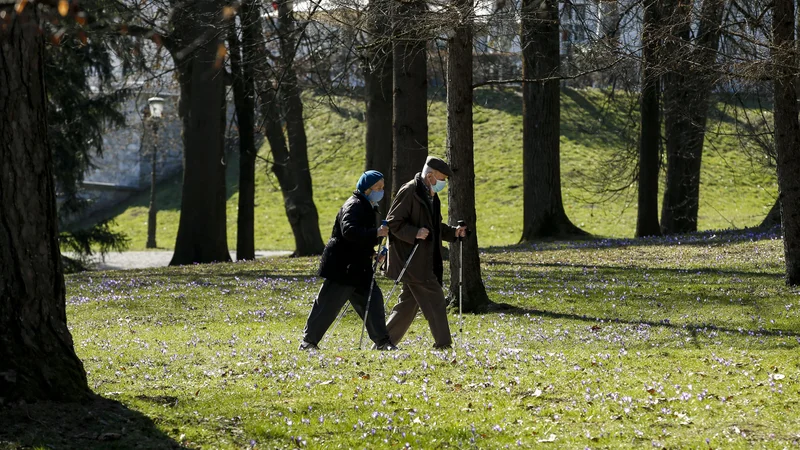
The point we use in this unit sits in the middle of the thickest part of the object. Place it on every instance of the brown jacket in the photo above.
(411, 210)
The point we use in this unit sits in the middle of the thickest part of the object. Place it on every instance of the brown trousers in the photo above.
(428, 297)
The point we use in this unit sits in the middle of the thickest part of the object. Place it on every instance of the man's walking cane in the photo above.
(381, 250)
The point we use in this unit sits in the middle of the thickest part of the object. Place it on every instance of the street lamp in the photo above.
(156, 113)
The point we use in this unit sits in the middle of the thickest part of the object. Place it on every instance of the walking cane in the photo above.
(461, 223)
(402, 272)
(381, 249)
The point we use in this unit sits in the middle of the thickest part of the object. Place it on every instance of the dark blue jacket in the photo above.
(349, 254)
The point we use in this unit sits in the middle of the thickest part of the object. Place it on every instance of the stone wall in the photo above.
(124, 167)
(126, 158)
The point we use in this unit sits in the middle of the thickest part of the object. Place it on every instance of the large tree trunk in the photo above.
(687, 95)
(302, 212)
(461, 192)
(378, 80)
(202, 230)
(543, 215)
(244, 97)
(37, 357)
(410, 101)
(787, 133)
(650, 133)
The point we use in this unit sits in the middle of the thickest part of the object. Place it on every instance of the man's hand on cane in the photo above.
(461, 232)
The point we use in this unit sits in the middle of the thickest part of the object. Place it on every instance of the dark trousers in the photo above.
(330, 300)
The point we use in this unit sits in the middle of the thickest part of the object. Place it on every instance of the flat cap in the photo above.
(439, 164)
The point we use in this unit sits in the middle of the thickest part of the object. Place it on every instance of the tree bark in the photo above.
(650, 133)
(37, 356)
(460, 154)
(244, 98)
(787, 133)
(687, 95)
(378, 80)
(202, 229)
(543, 215)
(302, 212)
(410, 99)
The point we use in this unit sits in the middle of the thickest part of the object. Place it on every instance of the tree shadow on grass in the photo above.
(611, 269)
(699, 239)
(96, 423)
(689, 327)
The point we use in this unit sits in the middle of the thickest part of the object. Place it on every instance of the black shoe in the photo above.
(308, 346)
(386, 347)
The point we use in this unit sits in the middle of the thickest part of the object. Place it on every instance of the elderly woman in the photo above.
(347, 269)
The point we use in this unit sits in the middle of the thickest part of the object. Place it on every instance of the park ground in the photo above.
(686, 342)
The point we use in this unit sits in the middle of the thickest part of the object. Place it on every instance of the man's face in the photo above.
(435, 176)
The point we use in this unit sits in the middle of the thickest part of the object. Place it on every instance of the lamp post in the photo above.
(156, 110)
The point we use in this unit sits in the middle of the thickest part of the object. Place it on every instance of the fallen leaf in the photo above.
(550, 438)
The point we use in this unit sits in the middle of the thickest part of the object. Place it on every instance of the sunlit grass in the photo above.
(594, 128)
(606, 344)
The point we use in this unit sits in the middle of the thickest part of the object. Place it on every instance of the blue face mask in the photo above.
(440, 184)
(375, 196)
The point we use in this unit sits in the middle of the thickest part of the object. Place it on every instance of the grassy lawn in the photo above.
(607, 344)
(595, 127)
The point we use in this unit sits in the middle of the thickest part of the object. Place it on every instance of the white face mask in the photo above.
(437, 185)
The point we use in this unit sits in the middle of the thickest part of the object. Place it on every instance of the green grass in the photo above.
(608, 344)
(594, 128)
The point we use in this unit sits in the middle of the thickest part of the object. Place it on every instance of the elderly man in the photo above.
(347, 267)
(415, 218)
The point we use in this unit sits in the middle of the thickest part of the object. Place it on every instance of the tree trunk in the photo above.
(378, 80)
(302, 212)
(543, 215)
(650, 133)
(787, 134)
(686, 102)
(244, 97)
(202, 230)
(410, 100)
(37, 357)
(461, 191)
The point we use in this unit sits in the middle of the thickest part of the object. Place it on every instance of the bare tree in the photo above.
(460, 153)
(544, 214)
(37, 356)
(378, 83)
(650, 134)
(202, 230)
(787, 132)
(410, 101)
(244, 100)
(687, 96)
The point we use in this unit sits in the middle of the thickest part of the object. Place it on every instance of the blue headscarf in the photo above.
(369, 178)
